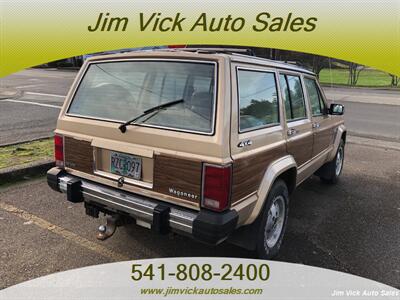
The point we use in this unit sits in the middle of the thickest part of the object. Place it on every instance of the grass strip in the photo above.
(24, 153)
(368, 77)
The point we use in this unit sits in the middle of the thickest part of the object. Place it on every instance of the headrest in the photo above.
(202, 103)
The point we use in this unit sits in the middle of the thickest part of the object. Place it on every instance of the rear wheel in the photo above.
(330, 172)
(273, 221)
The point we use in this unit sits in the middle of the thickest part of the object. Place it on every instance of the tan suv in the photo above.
(204, 143)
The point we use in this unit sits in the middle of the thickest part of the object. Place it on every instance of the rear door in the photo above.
(257, 134)
(322, 123)
(299, 129)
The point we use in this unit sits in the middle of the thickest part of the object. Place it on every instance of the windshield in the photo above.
(120, 91)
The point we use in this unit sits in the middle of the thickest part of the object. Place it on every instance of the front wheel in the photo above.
(273, 221)
(331, 171)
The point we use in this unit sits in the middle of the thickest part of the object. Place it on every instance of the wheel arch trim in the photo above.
(341, 130)
(274, 170)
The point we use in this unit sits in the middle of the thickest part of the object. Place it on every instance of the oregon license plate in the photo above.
(126, 165)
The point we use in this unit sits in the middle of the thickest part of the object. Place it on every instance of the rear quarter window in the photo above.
(258, 100)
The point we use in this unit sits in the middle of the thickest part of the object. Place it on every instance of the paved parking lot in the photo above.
(33, 113)
(351, 227)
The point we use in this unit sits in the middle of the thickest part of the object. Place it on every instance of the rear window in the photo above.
(120, 91)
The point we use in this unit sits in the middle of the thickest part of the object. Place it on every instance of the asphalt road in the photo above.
(378, 121)
(363, 95)
(34, 114)
(364, 117)
(351, 227)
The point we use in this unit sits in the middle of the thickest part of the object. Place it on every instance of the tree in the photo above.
(319, 63)
(311, 62)
(354, 72)
(395, 80)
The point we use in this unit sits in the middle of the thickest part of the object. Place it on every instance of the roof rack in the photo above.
(244, 51)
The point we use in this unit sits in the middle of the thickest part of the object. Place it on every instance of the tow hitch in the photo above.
(107, 230)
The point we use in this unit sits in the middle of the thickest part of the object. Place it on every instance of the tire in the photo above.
(330, 172)
(268, 242)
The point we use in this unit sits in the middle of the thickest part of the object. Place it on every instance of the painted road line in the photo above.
(43, 94)
(68, 235)
(28, 86)
(31, 103)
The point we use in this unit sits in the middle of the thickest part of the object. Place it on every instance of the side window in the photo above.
(293, 97)
(317, 104)
(285, 96)
(258, 100)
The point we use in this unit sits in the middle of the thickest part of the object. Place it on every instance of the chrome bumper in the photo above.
(205, 225)
(139, 207)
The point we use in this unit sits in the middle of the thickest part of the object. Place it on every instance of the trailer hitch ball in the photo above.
(107, 230)
(102, 228)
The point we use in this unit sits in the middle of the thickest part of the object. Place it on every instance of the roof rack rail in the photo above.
(245, 51)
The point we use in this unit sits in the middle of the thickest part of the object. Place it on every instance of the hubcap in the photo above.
(275, 220)
(339, 161)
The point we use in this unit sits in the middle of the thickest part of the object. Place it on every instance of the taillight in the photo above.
(216, 187)
(59, 150)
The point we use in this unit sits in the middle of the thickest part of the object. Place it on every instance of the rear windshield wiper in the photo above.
(122, 127)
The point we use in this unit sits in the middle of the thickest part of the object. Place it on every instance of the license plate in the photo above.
(126, 165)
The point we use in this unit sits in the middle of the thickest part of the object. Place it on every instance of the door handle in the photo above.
(315, 125)
(291, 131)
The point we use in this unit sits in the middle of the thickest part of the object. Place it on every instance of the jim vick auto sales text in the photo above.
(160, 22)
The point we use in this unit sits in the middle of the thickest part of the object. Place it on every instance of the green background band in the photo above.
(38, 31)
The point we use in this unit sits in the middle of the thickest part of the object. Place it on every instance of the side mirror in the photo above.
(336, 109)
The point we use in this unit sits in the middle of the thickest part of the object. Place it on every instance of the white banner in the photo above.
(199, 278)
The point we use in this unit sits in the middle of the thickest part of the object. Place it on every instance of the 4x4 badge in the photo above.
(245, 143)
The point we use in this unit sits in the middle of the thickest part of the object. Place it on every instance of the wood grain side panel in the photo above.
(78, 155)
(301, 149)
(181, 175)
(249, 171)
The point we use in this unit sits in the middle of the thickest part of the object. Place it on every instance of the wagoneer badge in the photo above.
(180, 193)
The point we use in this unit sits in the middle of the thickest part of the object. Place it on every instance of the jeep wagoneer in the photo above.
(205, 143)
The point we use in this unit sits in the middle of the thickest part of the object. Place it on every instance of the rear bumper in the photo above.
(205, 226)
